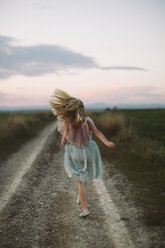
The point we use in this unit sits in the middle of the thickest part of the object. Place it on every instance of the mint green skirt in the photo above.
(85, 163)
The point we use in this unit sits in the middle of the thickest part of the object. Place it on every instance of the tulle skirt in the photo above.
(84, 163)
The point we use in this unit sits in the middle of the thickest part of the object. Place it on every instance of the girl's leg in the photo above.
(82, 194)
(85, 186)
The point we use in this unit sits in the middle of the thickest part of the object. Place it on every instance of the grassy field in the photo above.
(149, 123)
(17, 127)
(139, 136)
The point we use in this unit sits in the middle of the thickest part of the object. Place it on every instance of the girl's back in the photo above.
(76, 135)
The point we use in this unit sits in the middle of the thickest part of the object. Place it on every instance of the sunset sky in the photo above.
(96, 50)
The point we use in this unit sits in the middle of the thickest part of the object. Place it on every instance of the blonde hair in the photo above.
(67, 107)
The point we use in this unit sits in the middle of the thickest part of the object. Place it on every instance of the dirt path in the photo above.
(40, 210)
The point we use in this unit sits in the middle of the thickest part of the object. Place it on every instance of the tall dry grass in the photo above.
(111, 124)
(18, 127)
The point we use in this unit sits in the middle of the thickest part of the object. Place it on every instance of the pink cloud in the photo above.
(128, 94)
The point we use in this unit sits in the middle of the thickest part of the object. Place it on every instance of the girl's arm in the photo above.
(63, 140)
(100, 136)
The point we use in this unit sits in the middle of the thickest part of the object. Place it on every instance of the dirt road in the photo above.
(38, 203)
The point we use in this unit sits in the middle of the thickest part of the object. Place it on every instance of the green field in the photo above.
(139, 136)
(149, 123)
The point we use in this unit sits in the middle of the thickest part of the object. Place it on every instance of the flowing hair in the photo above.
(68, 108)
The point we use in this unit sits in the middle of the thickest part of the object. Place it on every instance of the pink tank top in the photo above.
(78, 136)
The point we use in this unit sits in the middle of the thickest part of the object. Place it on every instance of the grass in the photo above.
(149, 123)
(18, 127)
(139, 154)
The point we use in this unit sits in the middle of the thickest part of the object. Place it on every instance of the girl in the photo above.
(82, 156)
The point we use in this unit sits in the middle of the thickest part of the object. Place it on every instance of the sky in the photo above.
(96, 50)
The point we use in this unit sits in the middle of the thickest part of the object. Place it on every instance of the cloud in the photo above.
(2, 96)
(11, 99)
(114, 96)
(121, 68)
(41, 59)
(128, 95)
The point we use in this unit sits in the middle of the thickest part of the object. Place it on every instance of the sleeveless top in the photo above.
(78, 136)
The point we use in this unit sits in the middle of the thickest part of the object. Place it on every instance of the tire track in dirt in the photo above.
(117, 229)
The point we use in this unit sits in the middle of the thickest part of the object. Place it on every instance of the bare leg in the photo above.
(85, 186)
(82, 194)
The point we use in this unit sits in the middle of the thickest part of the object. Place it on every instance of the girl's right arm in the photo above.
(65, 133)
(100, 136)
